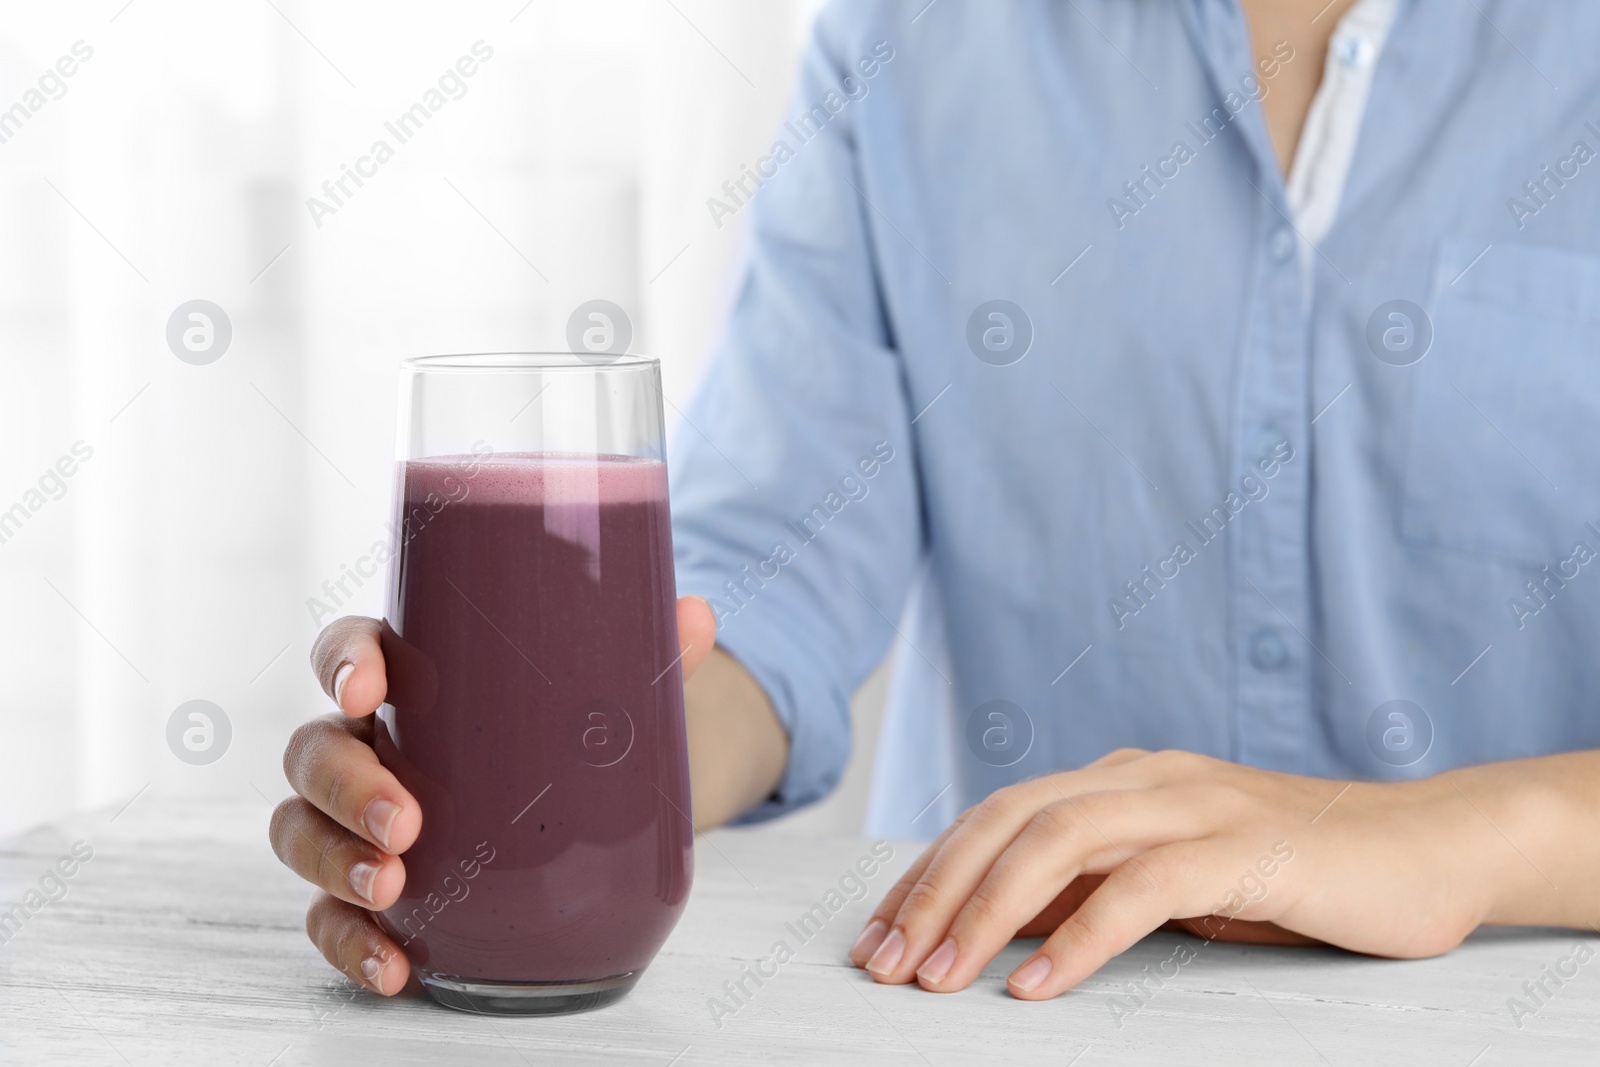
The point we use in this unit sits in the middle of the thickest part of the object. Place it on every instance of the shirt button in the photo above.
(1355, 51)
(1270, 437)
(1267, 651)
(1280, 246)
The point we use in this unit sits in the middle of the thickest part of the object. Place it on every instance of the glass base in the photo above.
(484, 997)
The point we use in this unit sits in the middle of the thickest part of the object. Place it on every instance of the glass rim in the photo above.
(528, 360)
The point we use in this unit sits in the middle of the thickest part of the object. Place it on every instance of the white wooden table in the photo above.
(181, 941)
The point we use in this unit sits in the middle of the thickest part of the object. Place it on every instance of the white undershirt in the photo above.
(1328, 141)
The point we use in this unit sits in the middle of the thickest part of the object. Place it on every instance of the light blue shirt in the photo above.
(1331, 511)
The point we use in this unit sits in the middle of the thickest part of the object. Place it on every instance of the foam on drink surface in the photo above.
(536, 478)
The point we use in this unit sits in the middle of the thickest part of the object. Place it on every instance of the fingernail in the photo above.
(361, 876)
(340, 677)
(372, 971)
(936, 966)
(379, 819)
(869, 940)
(887, 958)
(1029, 976)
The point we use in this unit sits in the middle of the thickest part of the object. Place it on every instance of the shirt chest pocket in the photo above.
(1504, 453)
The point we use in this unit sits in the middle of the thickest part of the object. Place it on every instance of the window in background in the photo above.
(176, 562)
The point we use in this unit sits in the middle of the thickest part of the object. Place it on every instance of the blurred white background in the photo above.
(174, 164)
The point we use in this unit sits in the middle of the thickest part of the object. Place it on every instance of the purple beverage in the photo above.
(535, 709)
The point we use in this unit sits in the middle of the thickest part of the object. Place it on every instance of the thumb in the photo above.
(697, 632)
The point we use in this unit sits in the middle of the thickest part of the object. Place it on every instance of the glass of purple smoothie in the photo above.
(535, 703)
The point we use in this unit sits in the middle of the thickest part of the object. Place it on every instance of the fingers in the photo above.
(943, 877)
(1135, 898)
(330, 763)
(872, 936)
(955, 871)
(1066, 902)
(697, 632)
(332, 858)
(349, 663)
(351, 815)
(349, 938)
(1094, 833)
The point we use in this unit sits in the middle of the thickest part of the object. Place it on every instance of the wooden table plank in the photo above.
(181, 941)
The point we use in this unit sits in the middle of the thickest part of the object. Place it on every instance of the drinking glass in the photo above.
(535, 701)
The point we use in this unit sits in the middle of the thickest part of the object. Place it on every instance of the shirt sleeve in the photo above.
(795, 503)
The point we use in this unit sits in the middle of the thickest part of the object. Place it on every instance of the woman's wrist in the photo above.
(738, 749)
(1510, 825)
